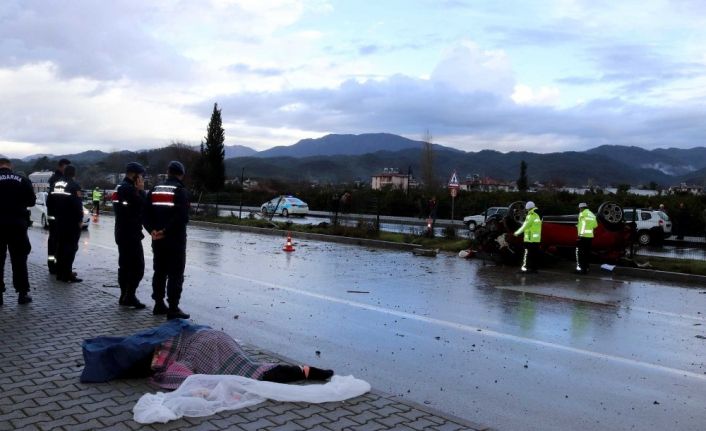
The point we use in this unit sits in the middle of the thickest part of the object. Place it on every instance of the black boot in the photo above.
(24, 298)
(159, 307)
(176, 313)
(132, 301)
(121, 301)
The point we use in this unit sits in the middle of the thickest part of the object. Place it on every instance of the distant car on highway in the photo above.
(285, 206)
(473, 221)
(38, 213)
(651, 226)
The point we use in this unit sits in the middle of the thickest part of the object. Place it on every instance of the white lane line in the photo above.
(457, 326)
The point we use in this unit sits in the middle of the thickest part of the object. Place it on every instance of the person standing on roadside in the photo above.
(16, 195)
(69, 222)
(51, 217)
(532, 229)
(128, 205)
(97, 197)
(166, 217)
(587, 222)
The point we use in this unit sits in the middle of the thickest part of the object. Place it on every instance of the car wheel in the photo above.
(285, 213)
(264, 211)
(45, 225)
(515, 215)
(471, 225)
(610, 215)
(644, 237)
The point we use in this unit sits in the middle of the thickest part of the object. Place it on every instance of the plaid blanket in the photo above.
(204, 351)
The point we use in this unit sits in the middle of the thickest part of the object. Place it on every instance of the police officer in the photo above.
(97, 196)
(69, 222)
(51, 242)
(584, 228)
(532, 229)
(128, 205)
(16, 194)
(166, 216)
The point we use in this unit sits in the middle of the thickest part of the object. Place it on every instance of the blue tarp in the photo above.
(109, 358)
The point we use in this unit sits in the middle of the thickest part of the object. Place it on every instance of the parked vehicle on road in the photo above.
(38, 213)
(285, 206)
(474, 221)
(651, 226)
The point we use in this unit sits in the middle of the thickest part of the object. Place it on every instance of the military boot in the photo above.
(159, 307)
(176, 313)
(24, 298)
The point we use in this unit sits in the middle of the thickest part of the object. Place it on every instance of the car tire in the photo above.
(471, 225)
(644, 237)
(515, 216)
(610, 214)
(285, 213)
(45, 225)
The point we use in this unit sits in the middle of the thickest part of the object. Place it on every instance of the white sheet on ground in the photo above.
(204, 395)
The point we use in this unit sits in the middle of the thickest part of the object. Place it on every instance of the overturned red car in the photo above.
(611, 239)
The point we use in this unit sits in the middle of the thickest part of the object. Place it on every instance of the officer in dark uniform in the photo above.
(166, 216)
(128, 205)
(51, 242)
(16, 194)
(69, 222)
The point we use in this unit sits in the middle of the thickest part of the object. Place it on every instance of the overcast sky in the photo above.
(537, 75)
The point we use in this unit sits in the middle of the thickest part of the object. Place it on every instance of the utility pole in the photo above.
(242, 191)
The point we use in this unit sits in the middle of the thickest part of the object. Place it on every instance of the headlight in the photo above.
(85, 212)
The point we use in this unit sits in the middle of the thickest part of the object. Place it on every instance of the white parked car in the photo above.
(651, 225)
(285, 206)
(478, 220)
(39, 212)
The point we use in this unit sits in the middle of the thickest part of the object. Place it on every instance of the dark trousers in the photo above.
(52, 246)
(97, 207)
(131, 265)
(15, 240)
(283, 374)
(530, 257)
(168, 264)
(67, 246)
(583, 254)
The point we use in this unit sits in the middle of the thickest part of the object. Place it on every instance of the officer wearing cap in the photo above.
(16, 194)
(128, 205)
(69, 222)
(166, 216)
(532, 229)
(51, 218)
(584, 228)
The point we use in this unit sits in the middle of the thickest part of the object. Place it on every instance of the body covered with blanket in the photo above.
(177, 349)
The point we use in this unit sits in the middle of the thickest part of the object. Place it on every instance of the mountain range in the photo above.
(344, 158)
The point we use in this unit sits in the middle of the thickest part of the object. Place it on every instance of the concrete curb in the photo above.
(307, 235)
(651, 274)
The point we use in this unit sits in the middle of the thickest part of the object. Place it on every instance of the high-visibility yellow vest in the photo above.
(587, 222)
(97, 195)
(532, 227)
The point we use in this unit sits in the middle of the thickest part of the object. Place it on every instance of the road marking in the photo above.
(454, 325)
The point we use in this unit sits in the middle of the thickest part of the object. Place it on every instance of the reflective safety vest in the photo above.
(532, 227)
(97, 195)
(163, 195)
(587, 222)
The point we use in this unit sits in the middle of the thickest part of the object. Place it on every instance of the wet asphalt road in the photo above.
(543, 352)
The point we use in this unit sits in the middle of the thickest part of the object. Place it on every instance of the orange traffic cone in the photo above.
(288, 245)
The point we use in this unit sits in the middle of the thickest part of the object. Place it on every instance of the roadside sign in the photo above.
(454, 191)
(453, 182)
